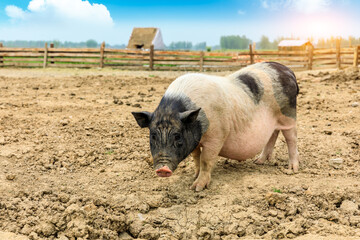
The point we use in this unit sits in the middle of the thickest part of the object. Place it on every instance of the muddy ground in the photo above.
(75, 165)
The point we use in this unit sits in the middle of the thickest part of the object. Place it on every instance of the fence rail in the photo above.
(175, 60)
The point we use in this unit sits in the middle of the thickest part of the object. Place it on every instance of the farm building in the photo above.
(143, 38)
(294, 45)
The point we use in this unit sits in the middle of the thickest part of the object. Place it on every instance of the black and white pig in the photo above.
(235, 116)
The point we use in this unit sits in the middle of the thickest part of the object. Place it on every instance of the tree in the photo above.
(234, 42)
(91, 43)
(200, 46)
(264, 43)
(182, 45)
(56, 43)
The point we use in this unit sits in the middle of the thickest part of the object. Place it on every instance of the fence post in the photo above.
(201, 61)
(151, 58)
(310, 57)
(1, 58)
(356, 56)
(51, 46)
(338, 58)
(251, 54)
(102, 49)
(350, 41)
(45, 55)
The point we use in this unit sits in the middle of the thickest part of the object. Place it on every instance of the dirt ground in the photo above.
(75, 165)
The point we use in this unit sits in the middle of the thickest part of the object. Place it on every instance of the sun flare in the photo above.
(321, 29)
(324, 26)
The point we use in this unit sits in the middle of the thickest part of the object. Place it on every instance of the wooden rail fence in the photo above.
(175, 60)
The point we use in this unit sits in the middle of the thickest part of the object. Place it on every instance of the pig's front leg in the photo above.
(208, 157)
(196, 156)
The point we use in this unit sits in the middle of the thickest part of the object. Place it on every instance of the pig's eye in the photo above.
(178, 141)
(153, 137)
(177, 137)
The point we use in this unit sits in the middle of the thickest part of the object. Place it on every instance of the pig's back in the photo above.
(207, 91)
(269, 83)
(197, 85)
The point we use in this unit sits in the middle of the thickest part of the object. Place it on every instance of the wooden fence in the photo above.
(175, 60)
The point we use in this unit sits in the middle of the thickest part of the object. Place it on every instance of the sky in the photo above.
(185, 20)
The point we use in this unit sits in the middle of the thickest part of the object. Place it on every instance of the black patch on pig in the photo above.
(288, 82)
(172, 140)
(289, 88)
(255, 88)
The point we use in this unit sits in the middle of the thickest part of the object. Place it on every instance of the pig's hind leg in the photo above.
(291, 140)
(268, 149)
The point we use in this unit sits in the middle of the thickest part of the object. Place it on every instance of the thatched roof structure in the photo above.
(294, 44)
(143, 38)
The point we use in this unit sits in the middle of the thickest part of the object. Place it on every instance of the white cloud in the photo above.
(58, 19)
(63, 10)
(241, 12)
(36, 5)
(302, 6)
(14, 12)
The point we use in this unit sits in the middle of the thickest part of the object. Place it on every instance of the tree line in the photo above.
(184, 45)
(242, 42)
(91, 43)
(231, 42)
(330, 42)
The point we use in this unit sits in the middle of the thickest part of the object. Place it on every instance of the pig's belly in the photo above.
(246, 144)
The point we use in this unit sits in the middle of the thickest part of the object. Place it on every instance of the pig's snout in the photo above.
(164, 171)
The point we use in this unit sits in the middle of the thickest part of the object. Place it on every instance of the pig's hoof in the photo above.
(294, 167)
(259, 161)
(199, 185)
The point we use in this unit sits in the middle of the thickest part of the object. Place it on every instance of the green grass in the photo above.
(41, 60)
(109, 152)
(276, 190)
(165, 65)
(231, 50)
(229, 57)
(241, 50)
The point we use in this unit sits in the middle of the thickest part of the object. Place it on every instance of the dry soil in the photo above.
(75, 165)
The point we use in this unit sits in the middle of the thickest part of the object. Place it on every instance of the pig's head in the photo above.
(173, 136)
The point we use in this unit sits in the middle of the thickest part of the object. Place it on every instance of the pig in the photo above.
(236, 117)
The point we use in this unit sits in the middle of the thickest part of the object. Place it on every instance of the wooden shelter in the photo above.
(294, 45)
(143, 38)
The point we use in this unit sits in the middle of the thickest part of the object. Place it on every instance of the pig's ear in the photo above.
(142, 118)
(189, 116)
